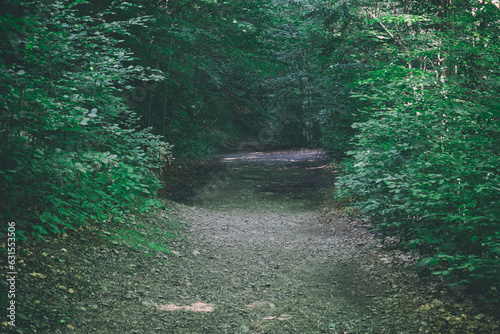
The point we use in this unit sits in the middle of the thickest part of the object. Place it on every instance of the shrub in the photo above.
(71, 149)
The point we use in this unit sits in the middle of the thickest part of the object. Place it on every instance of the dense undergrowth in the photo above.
(425, 163)
(71, 149)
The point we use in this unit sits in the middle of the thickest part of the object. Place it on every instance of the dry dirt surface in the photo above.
(261, 255)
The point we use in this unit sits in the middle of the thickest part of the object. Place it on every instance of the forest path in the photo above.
(260, 256)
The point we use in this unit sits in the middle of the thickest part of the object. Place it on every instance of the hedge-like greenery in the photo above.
(426, 163)
(70, 146)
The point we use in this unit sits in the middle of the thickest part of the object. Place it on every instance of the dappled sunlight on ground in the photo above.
(196, 307)
(270, 157)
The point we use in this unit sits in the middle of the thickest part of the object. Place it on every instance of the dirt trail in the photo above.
(267, 256)
(260, 257)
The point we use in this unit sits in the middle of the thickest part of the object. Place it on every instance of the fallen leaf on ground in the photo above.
(38, 275)
(284, 317)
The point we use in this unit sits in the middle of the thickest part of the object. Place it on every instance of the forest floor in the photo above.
(255, 250)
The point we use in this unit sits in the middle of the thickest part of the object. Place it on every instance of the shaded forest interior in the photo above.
(102, 102)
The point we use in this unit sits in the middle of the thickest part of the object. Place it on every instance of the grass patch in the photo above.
(150, 233)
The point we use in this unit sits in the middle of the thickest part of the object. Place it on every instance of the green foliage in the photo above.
(71, 149)
(345, 54)
(425, 162)
(208, 52)
(233, 70)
